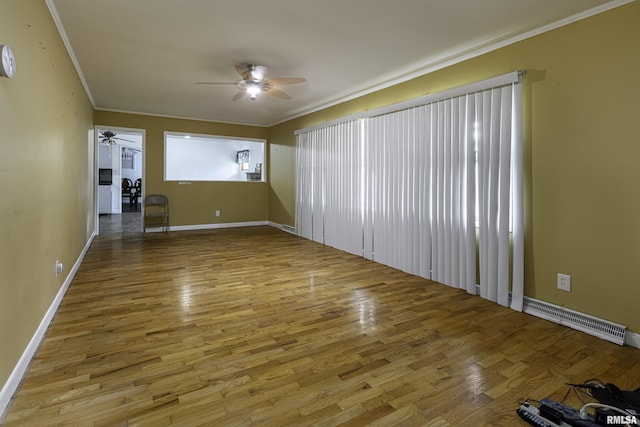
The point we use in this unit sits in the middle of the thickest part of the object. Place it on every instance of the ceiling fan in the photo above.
(254, 82)
(109, 138)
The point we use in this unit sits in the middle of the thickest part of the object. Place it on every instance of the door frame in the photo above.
(117, 130)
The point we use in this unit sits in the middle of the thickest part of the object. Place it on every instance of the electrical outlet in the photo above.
(217, 213)
(59, 267)
(564, 282)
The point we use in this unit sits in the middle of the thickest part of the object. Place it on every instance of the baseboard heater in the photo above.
(289, 228)
(591, 325)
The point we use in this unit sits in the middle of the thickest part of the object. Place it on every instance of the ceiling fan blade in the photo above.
(241, 69)
(253, 78)
(282, 81)
(240, 94)
(122, 139)
(278, 94)
(215, 83)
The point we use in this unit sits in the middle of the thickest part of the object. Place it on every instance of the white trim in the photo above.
(337, 121)
(96, 168)
(493, 82)
(67, 44)
(490, 83)
(211, 136)
(170, 116)
(282, 227)
(449, 59)
(632, 339)
(517, 205)
(16, 376)
(207, 226)
(13, 382)
(429, 65)
(181, 136)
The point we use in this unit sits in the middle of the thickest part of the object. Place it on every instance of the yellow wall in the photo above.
(197, 202)
(46, 173)
(582, 146)
(581, 138)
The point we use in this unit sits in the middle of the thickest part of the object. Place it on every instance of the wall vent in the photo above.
(289, 228)
(582, 322)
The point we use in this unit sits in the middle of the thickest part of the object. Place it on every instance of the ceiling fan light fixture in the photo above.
(257, 75)
(254, 83)
(253, 90)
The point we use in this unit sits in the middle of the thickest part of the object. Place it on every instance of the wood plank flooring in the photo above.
(254, 326)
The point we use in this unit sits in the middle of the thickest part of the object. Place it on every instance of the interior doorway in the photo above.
(120, 184)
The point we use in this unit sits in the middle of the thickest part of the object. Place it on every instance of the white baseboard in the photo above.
(628, 338)
(208, 226)
(14, 380)
(632, 339)
(283, 227)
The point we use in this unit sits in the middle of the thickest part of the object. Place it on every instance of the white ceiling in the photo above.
(144, 56)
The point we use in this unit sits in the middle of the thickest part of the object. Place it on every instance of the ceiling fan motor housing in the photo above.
(254, 73)
(254, 82)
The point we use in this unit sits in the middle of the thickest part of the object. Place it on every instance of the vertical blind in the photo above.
(424, 187)
(329, 186)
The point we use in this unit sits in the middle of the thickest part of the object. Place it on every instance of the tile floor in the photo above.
(129, 221)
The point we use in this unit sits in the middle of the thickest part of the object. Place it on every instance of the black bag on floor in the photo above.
(610, 394)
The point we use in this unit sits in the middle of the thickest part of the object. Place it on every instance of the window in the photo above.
(433, 171)
(189, 157)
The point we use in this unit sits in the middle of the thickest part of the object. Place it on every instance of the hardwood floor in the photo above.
(253, 326)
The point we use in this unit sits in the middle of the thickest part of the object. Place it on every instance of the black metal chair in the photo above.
(136, 192)
(127, 189)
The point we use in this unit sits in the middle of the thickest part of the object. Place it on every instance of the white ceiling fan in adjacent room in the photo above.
(255, 82)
